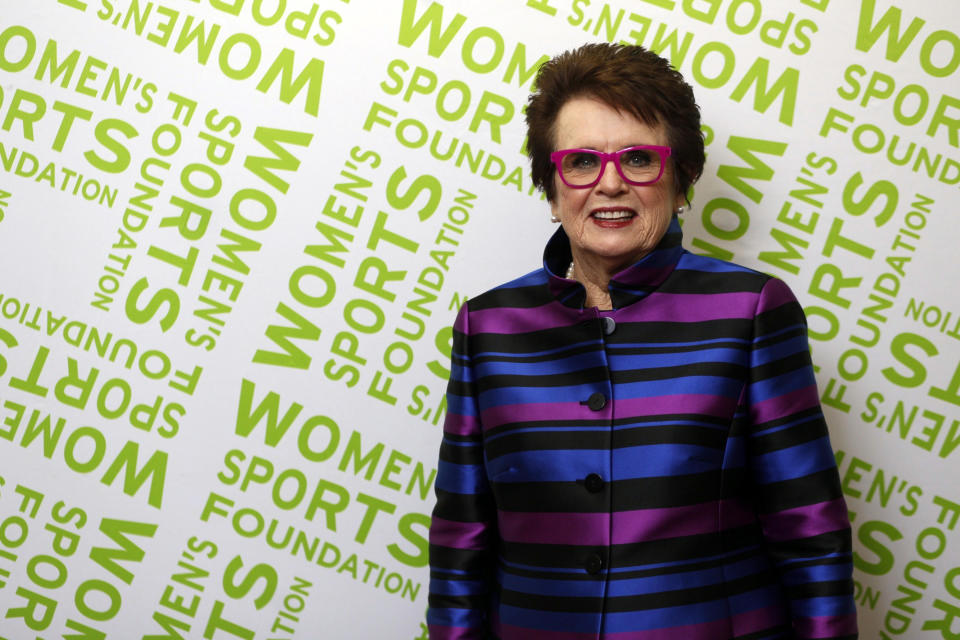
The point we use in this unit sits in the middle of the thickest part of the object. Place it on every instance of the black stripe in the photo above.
(525, 297)
(730, 370)
(680, 281)
(463, 508)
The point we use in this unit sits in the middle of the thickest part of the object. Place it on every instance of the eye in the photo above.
(637, 158)
(582, 160)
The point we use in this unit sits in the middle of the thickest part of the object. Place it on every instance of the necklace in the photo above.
(570, 275)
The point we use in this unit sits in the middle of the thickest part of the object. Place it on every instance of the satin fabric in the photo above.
(661, 470)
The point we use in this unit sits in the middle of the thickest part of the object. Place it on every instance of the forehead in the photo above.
(592, 124)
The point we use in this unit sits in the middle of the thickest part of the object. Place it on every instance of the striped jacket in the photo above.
(657, 471)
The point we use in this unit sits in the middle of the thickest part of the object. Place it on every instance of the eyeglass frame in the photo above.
(663, 152)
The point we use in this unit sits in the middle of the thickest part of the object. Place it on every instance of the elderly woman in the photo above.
(634, 447)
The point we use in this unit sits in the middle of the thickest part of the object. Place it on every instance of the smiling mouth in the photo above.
(616, 214)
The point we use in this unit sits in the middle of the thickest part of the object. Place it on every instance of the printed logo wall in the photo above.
(234, 234)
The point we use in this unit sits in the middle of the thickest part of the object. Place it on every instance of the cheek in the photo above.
(569, 202)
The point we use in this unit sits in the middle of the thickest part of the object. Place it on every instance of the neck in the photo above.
(594, 275)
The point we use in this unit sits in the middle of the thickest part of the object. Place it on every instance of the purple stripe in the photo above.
(826, 626)
(509, 320)
(775, 293)
(644, 276)
(555, 528)
(785, 405)
(459, 535)
(510, 632)
(690, 307)
(758, 620)
(709, 405)
(462, 321)
(438, 632)
(627, 526)
(460, 425)
(507, 413)
(806, 522)
(657, 307)
(627, 407)
(673, 522)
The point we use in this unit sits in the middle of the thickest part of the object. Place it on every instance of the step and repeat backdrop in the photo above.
(234, 235)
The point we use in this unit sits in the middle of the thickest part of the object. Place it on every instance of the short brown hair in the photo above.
(627, 78)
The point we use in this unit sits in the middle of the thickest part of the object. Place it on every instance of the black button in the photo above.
(609, 325)
(597, 401)
(594, 564)
(593, 483)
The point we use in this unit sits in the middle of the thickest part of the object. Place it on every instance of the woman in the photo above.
(634, 448)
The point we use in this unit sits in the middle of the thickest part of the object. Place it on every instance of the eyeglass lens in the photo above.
(637, 165)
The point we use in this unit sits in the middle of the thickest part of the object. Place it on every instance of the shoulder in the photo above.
(708, 275)
(531, 289)
(691, 264)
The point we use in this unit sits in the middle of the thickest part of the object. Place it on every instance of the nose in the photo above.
(610, 180)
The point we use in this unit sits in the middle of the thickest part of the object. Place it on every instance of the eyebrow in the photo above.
(632, 144)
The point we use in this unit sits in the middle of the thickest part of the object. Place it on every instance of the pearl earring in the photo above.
(679, 210)
(554, 219)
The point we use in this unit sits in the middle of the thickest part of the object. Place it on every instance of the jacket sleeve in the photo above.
(798, 496)
(463, 528)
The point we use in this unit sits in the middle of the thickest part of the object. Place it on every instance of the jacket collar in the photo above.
(631, 285)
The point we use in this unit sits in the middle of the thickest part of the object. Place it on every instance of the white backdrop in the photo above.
(234, 233)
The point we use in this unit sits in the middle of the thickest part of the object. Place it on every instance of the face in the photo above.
(613, 223)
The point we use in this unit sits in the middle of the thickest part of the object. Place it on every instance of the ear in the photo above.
(679, 201)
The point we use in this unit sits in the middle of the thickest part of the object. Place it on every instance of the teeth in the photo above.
(612, 215)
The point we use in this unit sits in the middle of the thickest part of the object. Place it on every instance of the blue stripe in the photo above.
(789, 425)
(823, 606)
(651, 461)
(692, 263)
(461, 405)
(636, 586)
(698, 385)
(790, 328)
(795, 462)
(569, 465)
(685, 343)
(668, 423)
(535, 277)
(572, 571)
(458, 443)
(817, 573)
(549, 620)
(554, 587)
(455, 617)
(534, 354)
(569, 364)
(517, 394)
(779, 350)
(461, 373)
(457, 587)
(633, 362)
(781, 385)
(461, 478)
(547, 429)
(667, 617)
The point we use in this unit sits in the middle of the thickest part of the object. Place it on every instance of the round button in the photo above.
(609, 325)
(594, 564)
(597, 401)
(593, 483)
